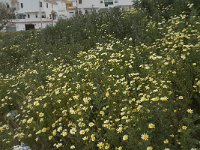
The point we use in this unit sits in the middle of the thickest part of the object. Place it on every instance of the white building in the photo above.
(36, 14)
(85, 6)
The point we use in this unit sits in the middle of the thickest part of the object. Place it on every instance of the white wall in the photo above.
(28, 6)
(61, 10)
(33, 6)
(96, 4)
(89, 4)
(21, 26)
(124, 2)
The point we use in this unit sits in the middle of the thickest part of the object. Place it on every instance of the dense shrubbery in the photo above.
(158, 9)
(114, 80)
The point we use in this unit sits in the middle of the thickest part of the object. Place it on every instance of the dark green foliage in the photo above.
(159, 9)
(5, 15)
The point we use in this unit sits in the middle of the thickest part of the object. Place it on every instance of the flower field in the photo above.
(133, 89)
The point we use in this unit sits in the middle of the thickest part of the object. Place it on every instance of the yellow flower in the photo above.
(149, 148)
(93, 137)
(194, 64)
(29, 121)
(72, 147)
(145, 137)
(82, 132)
(166, 141)
(139, 107)
(44, 130)
(172, 135)
(102, 113)
(64, 133)
(54, 132)
(91, 124)
(24, 121)
(107, 94)
(184, 127)
(100, 145)
(39, 132)
(107, 146)
(164, 98)
(151, 126)
(36, 103)
(155, 99)
(41, 114)
(190, 111)
(86, 100)
(58, 145)
(50, 138)
(125, 137)
(73, 131)
(180, 97)
(1, 129)
(119, 148)
(45, 105)
(119, 130)
(59, 129)
(85, 138)
(143, 99)
(198, 83)
(183, 56)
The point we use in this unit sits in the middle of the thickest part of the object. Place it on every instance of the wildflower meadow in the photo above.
(114, 80)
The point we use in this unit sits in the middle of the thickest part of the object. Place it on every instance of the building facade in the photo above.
(37, 14)
(85, 6)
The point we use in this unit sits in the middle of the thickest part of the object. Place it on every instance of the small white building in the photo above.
(85, 6)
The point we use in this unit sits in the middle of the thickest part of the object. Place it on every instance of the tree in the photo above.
(6, 13)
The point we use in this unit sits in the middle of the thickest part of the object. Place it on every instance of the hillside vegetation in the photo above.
(114, 80)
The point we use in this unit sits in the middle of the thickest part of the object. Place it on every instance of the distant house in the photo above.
(37, 14)
(86, 6)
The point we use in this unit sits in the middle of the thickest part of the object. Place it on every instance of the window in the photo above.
(43, 16)
(101, 1)
(80, 1)
(47, 5)
(22, 6)
(108, 2)
(36, 15)
(40, 4)
(28, 15)
(21, 16)
(7, 5)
